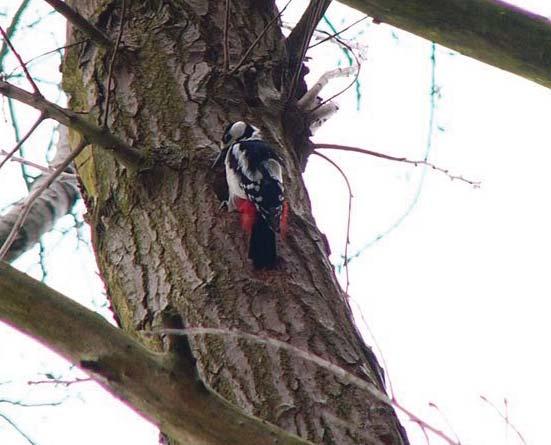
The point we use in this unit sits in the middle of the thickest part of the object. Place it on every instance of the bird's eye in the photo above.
(226, 138)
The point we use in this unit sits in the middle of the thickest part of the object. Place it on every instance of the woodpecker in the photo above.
(255, 184)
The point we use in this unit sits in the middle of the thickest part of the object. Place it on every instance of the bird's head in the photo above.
(238, 131)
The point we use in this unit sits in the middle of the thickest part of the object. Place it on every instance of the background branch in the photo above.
(365, 151)
(491, 31)
(51, 205)
(72, 16)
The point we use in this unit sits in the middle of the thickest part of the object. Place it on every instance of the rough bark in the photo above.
(161, 387)
(171, 258)
(491, 31)
(54, 203)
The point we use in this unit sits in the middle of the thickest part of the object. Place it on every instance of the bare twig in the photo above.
(350, 196)
(40, 167)
(375, 342)
(30, 405)
(356, 76)
(423, 429)
(72, 16)
(423, 424)
(128, 155)
(20, 60)
(264, 31)
(505, 417)
(47, 53)
(31, 198)
(323, 146)
(446, 420)
(10, 30)
(112, 63)
(59, 382)
(9, 154)
(338, 33)
(227, 36)
(16, 428)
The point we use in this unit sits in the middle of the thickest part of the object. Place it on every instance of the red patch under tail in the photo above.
(248, 213)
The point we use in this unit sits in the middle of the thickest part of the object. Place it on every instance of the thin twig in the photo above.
(112, 63)
(72, 16)
(264, 31)
(22, 141)
(227, 36)
(40, 167)
(424, 424)
(356, 76)
(505, 417)
(30, 405)
(350, 196)
(47, 53)
(16, 428)
(31, 198)
(336, 34)
(375, 342)
(15, 125)
(446, 420)
(322, 146)
(423, 429)
(20, 60)
(10, 30)
(128, 155)
(59, 382)
(342, 374)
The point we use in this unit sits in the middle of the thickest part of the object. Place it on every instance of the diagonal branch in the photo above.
(298, 41)
(128, 155)
(156, 385)
(72, 16)
(475, 184)
(20, 60)
(35, 194)
(492, 31)
(54, 203)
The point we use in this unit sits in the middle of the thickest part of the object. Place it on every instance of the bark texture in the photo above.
(492, 31)
(161, 387)
(54, 203)
(168, 255)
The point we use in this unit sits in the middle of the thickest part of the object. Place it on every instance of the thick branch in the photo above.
(91, 31)
(155, 385)
(491, 31)
(94, 134)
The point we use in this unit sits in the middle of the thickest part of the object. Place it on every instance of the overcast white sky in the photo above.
(457, 295)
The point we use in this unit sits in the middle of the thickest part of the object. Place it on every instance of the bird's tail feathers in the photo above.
(262, 245)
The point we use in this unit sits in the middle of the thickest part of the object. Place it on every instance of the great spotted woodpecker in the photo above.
(255, 185)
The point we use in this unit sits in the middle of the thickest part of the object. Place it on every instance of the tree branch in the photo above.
(72, 16)
(54, 203)
(475, 184)
(128, 155)
(157, 386)
(491, 31)
(36, 192)
(298, 41)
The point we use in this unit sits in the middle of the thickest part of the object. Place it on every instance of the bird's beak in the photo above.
(219, 158)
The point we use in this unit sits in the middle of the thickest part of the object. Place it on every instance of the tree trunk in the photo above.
(170, 258)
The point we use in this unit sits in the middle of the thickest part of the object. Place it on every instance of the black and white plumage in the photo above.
(254, 174)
